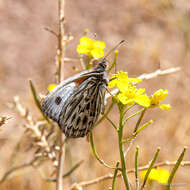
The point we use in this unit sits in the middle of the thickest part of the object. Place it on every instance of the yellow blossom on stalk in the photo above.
(51, 87)
(91, 48)
(128, 93)
(159, 175)
(132, 94)
(121, 81)
(157, 97)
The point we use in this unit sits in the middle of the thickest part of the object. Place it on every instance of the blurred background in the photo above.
(157, 35)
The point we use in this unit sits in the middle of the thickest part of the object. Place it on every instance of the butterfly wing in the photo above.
(76, 103)
(54, 102)
(81, 112)
(56, 99)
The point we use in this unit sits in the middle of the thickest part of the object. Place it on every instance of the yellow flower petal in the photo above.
(51, 87)
(163, 175)
(99, 45)
(159, 175)
(143, 100)
(124, 99)
(97, 53)
(91, 47)
(159, 96)
(112, 83)
(165, 106)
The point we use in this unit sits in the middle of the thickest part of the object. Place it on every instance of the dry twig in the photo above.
(110, 175)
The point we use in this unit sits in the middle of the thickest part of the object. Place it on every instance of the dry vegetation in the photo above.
(158, 37)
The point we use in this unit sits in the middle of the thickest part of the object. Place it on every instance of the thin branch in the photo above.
(150, 76)
(139, 120)
(115, 177)
(112, 123)
(51, 31)
(16, 168)
(121, 150)
(61, 158)
(176, 166)
(67, 173)
(59, 78)
(159, 72)
(150, 168)
(136, 168)
(110, 175)
(61, 43)
(96, 154)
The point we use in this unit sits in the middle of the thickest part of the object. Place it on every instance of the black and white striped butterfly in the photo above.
(76, 102)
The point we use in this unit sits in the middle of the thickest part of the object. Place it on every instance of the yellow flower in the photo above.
(128, 93)
(90, 47)
(157, 97)
(159, 175)
(51, 87)
(121, 81)
(134, 95)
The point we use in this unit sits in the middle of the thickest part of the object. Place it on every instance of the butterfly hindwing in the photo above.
(82, 111)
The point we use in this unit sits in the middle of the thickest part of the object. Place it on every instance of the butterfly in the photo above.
(76, 102)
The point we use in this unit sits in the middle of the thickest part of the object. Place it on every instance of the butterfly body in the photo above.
(76, 103)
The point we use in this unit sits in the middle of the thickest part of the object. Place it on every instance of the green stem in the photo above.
(175, 168)
(140, 119)
(136, 167)
(112, 123)
(96, 154)
(121, 150)
(137, 132)
(150, 168)
(115, 176)
(133, 115)
(129, 108)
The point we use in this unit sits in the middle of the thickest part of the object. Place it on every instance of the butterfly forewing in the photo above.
(54, 102)
(76, 103)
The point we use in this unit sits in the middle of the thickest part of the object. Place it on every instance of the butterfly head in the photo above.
(101, 64)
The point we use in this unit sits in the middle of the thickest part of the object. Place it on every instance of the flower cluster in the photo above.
(129, 94)
(91, 48)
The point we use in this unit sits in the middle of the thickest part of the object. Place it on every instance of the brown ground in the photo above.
(157, 35)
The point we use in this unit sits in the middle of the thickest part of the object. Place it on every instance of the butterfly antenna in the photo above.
(114, 48)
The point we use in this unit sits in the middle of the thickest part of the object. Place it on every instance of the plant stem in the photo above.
(150, 168)
(96, 154)
(59, 78)
(61, 43)
(115, 176)
(61, 158)
(136, 167)
(175, 168)
(139, 120)
(121, 150)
